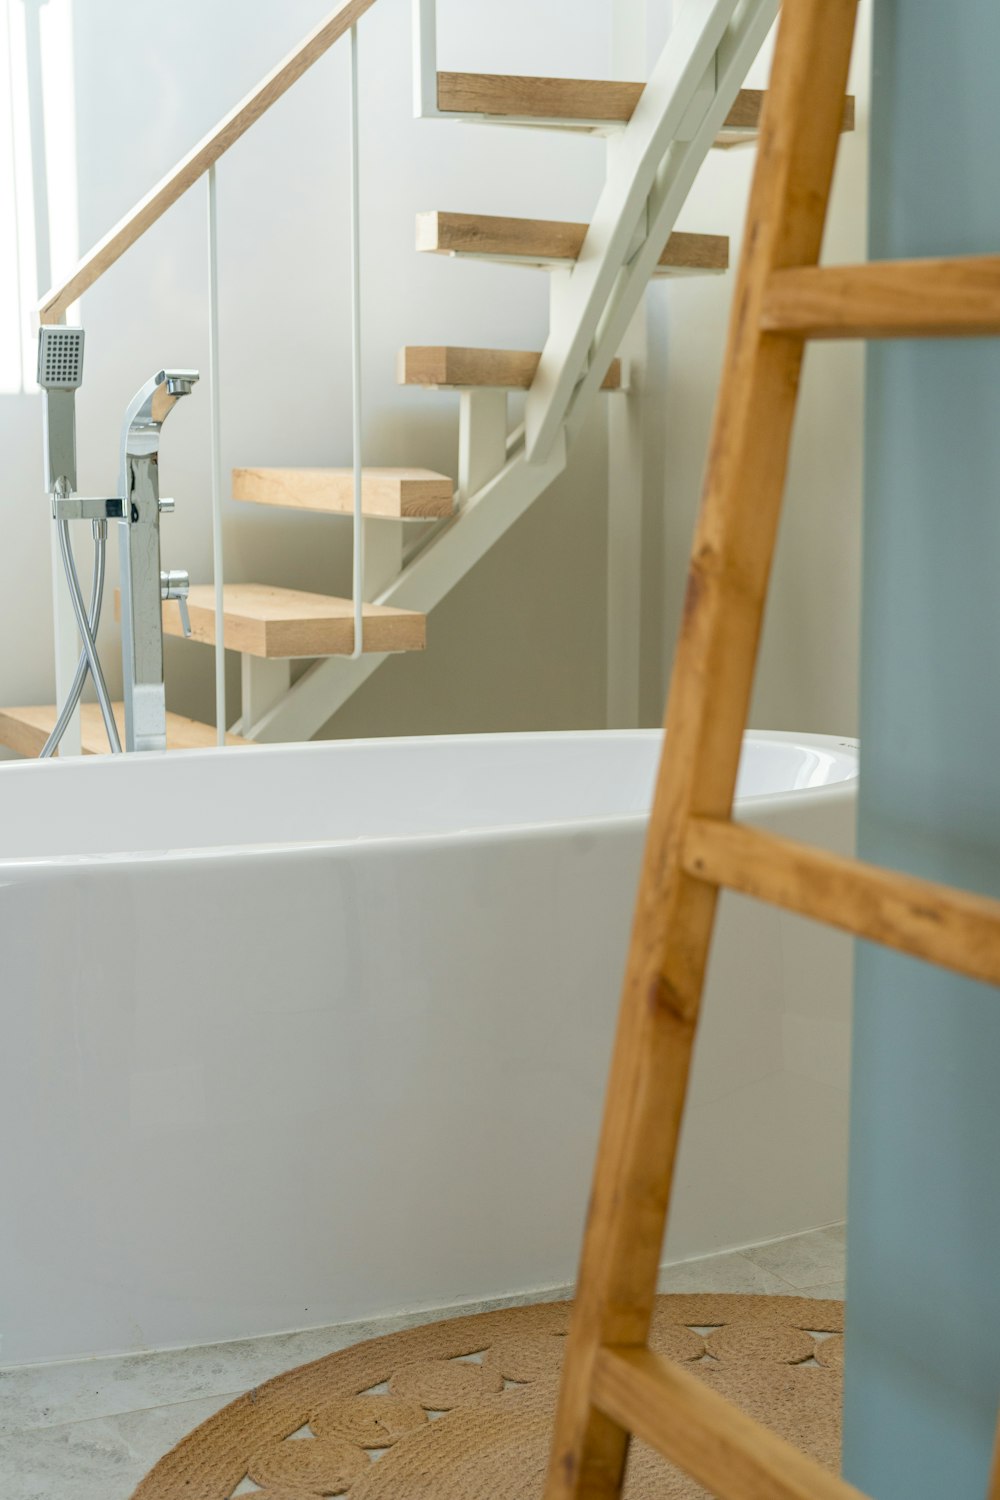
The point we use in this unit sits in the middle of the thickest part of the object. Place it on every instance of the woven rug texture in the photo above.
(462, 1410)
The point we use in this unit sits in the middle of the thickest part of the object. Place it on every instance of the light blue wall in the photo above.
(923, 1348)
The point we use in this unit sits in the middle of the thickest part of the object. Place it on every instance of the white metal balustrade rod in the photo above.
(358, 569)
(425, 105)
(218, 569)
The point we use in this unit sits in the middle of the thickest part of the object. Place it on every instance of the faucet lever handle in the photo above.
(176, 584)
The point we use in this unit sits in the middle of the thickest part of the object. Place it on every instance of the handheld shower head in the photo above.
(60, 375)
(60, 359)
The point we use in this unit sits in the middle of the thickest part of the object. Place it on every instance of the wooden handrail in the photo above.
(197, 161)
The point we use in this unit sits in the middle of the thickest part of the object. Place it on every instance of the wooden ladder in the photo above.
(613, 1385)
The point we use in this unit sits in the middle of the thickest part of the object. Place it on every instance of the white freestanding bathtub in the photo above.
(298, 1035)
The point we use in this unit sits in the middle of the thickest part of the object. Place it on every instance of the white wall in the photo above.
(521, 641)
(807, 677)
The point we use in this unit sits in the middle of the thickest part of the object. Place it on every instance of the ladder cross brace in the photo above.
(956, 929)
(958, 297)
(685, 1420)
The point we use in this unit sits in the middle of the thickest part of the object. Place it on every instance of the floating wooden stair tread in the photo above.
(582, 103)
(941, 298)
(502, 369)
(552, 242)
(266, 621)
(25, 730)
(407, 494)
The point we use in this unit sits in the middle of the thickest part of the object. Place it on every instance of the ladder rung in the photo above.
(888, 299)
(936, 922)
(709, 1438)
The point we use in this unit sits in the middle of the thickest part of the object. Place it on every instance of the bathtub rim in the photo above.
(486, 833)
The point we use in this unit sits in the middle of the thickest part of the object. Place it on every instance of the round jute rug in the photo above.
(463, 1410)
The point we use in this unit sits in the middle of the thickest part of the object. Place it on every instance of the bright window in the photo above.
(38, 173)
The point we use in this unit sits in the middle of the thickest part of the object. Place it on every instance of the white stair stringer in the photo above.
(652, 167)
(454, 547)
(649, 179)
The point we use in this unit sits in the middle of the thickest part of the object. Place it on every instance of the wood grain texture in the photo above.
(502, 369)
(735, 1457)
(551, 241)
(198, 160)
(537, 98)
(742, 124)
(956, 929)
(25, 730)
(709, 696)
(940, 298)
(410, 494)
(266, 621)
(993, 1486)
(585, 100)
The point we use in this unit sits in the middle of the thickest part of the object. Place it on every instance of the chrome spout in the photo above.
(142, 621)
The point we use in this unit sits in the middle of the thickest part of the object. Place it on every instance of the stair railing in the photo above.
(201, 162)
(652, 163)
(200, 158)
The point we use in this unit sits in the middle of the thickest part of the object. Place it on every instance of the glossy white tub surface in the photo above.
(304, 1034)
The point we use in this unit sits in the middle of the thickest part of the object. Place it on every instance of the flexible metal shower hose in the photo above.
(87, 623)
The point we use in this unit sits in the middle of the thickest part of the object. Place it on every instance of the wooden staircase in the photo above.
(273, 623)
(602, 273)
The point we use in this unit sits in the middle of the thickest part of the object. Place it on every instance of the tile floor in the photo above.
(91, 1429)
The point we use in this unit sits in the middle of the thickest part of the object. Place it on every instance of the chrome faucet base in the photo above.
(147, 728)
(142, 580)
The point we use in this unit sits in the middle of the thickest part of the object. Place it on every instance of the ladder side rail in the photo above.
(706, 713)
(993, 1485)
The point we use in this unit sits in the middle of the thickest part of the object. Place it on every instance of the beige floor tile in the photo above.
(832, 1289)
(804, 1260)
(721, 1273)
(82, 1461)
